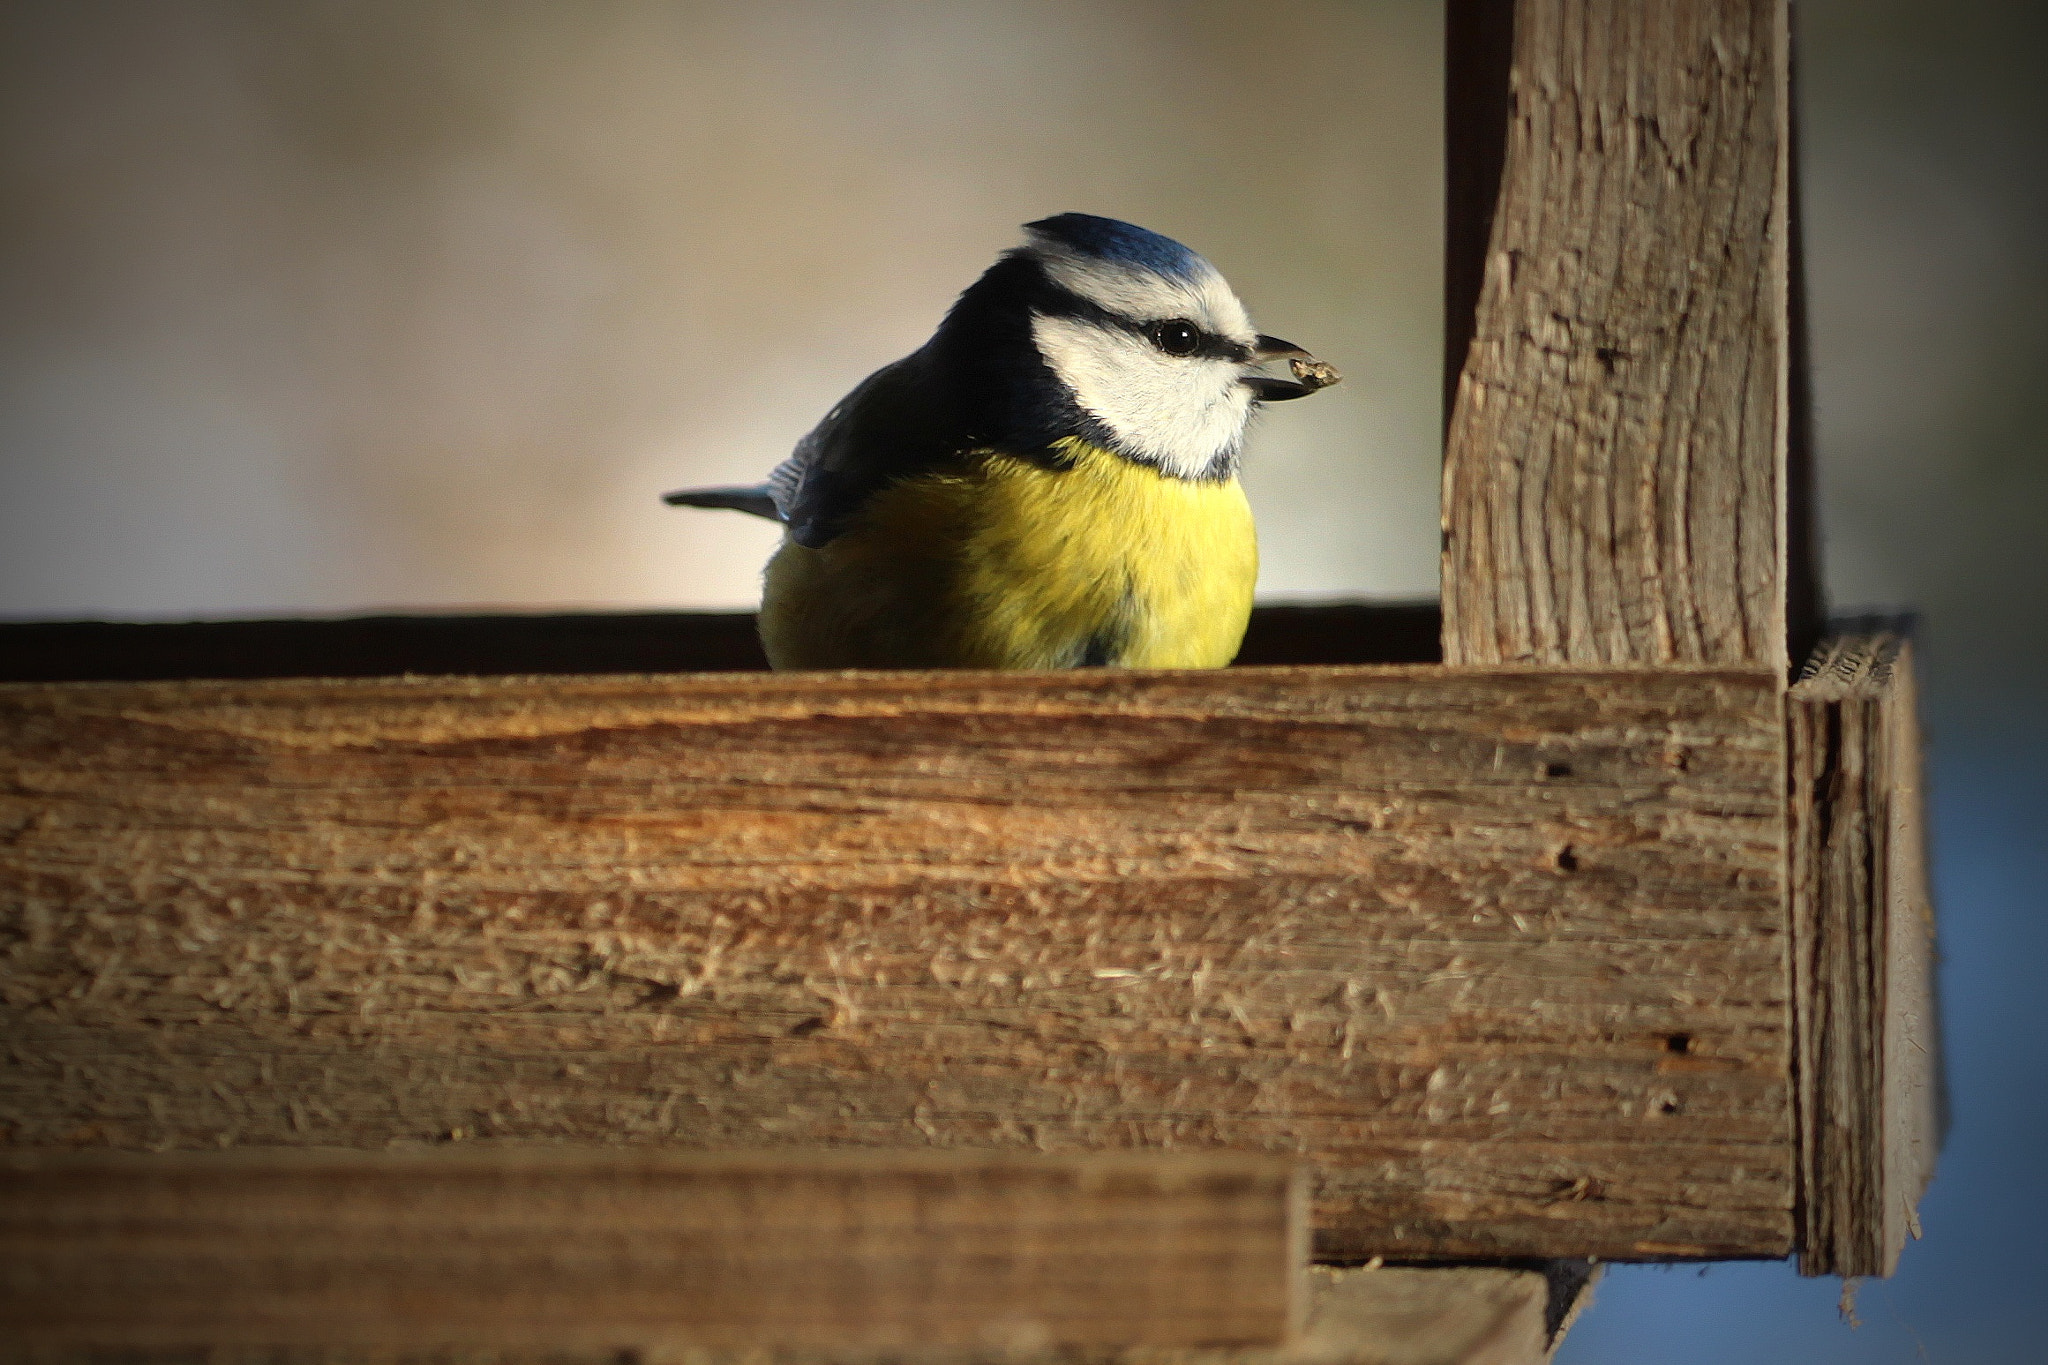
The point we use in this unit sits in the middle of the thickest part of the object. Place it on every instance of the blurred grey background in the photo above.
(331, 305)
(321, 306)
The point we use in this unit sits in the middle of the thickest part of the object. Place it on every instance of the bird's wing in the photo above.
(893, 425)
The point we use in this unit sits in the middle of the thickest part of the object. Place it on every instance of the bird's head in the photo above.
(1141, 341)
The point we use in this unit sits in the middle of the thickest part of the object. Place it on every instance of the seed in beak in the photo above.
(1314, 374)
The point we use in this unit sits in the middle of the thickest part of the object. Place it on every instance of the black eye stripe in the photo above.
(1055, 301)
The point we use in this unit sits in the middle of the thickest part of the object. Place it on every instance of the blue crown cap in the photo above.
(1112, 240)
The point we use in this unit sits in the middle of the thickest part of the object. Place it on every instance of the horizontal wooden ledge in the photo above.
(516, 1255)
(505, 643)
(543, 1248)
(1501, 951)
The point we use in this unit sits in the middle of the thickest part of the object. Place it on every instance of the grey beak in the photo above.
(1268, 390)
(1273, 348)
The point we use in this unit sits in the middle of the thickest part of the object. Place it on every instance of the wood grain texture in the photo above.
(1503, 951)
(539, 1247)
(1869, 1037)
(1614, 471)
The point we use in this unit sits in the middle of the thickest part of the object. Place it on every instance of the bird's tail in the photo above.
(755, 499)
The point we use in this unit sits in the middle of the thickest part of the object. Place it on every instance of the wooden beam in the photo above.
(1429, 1315)
(1365, 1315)
(1863, 931)
(1502, 951)
(1615, 477)
(503, 643)
(546, 1248)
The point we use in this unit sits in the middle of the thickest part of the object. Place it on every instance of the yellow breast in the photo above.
(1008, 564)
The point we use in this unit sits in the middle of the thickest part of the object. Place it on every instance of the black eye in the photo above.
(1177, 336)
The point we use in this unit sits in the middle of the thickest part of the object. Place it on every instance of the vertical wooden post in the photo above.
(1619, 335)
(1627, 479)
(1869, 1040)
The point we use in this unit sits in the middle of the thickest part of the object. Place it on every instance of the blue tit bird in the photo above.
(1051, 481)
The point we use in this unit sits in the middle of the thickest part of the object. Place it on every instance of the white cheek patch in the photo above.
(1144, 295)
(1184, 414)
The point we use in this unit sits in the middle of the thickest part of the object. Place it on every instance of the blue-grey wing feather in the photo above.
(894, 424)
(890, 427)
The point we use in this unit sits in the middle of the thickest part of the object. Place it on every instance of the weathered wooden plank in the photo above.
(1415, 1315)
(1503, 951)
(541, 1247)
(1869, 1046)
(1364, 1315)
(576, 642)
(1615, 462)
